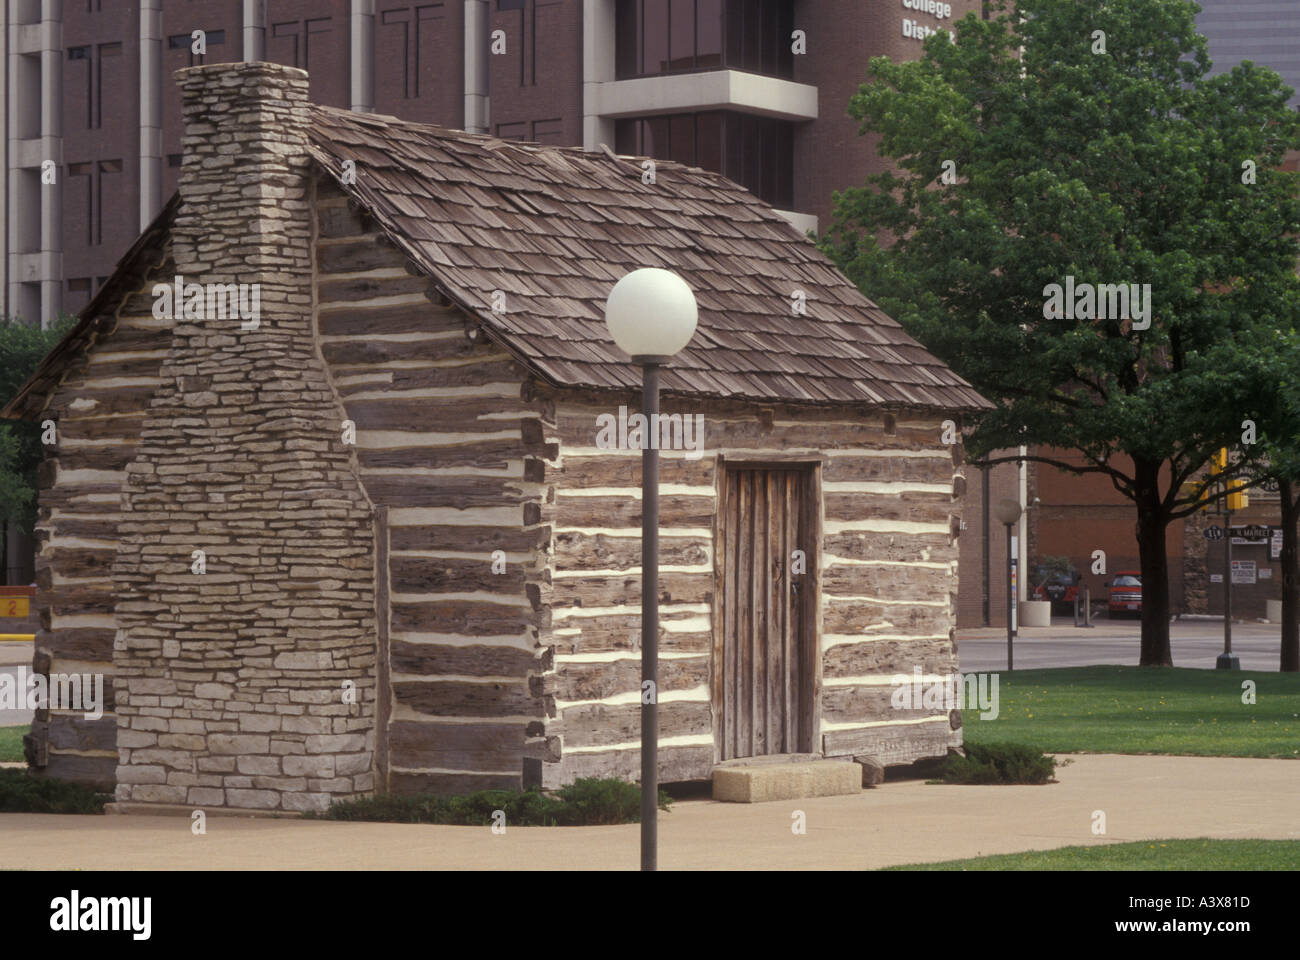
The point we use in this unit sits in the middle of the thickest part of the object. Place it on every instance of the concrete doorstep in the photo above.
(758, 781)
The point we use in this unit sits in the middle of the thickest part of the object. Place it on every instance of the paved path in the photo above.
(905, 822)
(1194, 643)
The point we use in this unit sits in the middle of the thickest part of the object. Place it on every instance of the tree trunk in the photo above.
(1290, 580)
(1151, 525)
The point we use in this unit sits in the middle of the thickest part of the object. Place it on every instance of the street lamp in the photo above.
(1008, 513)
(651, 315)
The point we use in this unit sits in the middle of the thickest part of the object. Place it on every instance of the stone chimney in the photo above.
(245, 651)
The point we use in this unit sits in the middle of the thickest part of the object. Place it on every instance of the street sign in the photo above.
(1213, 533)
(1252, 532)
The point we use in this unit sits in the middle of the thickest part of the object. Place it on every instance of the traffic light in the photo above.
(1238, 499)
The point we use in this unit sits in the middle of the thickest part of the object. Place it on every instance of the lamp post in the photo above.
(651, 315)
(1008, 514)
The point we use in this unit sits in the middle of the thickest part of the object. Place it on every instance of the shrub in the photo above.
(586, 802)
(999, 763)
(22, 793)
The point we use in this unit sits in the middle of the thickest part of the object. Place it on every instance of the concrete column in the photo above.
(51, 267)
(362, 56)
(151, 159)
(478, 105)
(598, 37)
(254, 30)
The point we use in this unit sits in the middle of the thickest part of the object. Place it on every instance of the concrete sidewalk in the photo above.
(1143, 797)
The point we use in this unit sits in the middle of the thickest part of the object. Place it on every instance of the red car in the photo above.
(1125, 594)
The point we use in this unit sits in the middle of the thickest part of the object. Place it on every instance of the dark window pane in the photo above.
(681, 139)
(655, 36)
(654, 137)
(708, 33)
(681, 34)
(708, 141)
(627, 33)
(625, 136)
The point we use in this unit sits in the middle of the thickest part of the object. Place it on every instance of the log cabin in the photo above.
(370, 539)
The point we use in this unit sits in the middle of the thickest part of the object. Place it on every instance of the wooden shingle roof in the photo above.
(554, 229)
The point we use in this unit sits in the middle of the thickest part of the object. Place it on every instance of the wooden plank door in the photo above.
(763, 658)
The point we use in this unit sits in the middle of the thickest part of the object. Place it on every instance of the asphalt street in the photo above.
(1194, 643)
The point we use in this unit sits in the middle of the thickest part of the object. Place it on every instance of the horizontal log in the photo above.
(445, 415)
(625, 589)
(458, 698)
(79, 562)
(468, 539)
(367, 253)
(361, 321)
(98, 773)
(444, 491)
(92, 644)
(618, 632)
(450, 784)
(912, 507)
(843, 704)
(582, 551)
(471, 747)
(84, 403)
(848, 469)
(897, 547)
(597, 681)
(113, 456)
(124, 427)
(90, 527)
(905, 743)
(462, 617)
(356, 353)
(934, 657)
(453, 575)
(491, 368)
(76, 600)
(336, 219)
(881, 581)
(331, 291)
(804, 431)
(674, 765)
(474, 660)
(859, 616)
(619, 512)
(77, 733)
(597, 724)
(615, 469)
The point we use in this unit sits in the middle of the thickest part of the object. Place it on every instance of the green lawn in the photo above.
(11, 743)
(1144, 855)
(1142, 710)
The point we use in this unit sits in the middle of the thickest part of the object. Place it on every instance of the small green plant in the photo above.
(999, 763)
(22, 793)
(590, 801)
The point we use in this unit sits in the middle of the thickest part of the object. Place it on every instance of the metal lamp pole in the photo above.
(1008, 512)
(650, 618)
(651, 314)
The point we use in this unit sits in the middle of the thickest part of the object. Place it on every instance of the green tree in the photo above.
(22, 348)
(1085, 140)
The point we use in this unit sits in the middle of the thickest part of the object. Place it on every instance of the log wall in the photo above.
(888, 578)
(97, 409)
(450, 446)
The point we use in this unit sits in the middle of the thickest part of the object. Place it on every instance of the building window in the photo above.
(676, 36)
(756, 152)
